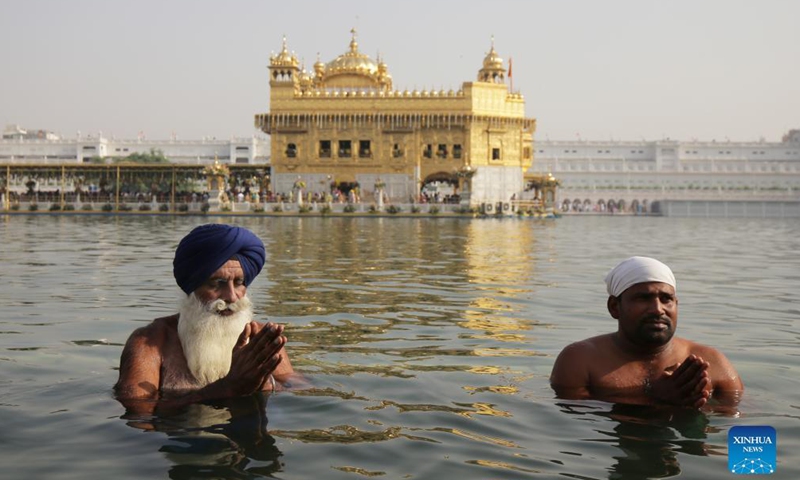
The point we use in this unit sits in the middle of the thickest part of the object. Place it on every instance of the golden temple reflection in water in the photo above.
(461, 281)
(499, 260)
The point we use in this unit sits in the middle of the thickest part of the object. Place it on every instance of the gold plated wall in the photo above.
(344, 121)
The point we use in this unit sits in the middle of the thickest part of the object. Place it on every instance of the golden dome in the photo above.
(493, 70)
(284, 59)
(319, 66)
(492, 60)
(352, 62)
(305, 78)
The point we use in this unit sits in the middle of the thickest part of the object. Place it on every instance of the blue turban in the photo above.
(206, 248)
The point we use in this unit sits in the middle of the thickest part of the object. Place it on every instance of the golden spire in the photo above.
(353, 42)
(284, 58)
(493, 70)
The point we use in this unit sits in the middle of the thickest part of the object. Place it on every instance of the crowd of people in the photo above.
(94, 194)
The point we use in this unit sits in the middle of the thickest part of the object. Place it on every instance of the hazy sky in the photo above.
(596, 69)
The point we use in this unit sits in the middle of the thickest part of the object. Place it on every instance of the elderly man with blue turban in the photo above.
(643, 362)
(212, 348)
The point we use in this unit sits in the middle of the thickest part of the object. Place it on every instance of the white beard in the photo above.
(208, 338)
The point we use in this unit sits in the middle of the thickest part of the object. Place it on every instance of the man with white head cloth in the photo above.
(212, 349)
(643, 362)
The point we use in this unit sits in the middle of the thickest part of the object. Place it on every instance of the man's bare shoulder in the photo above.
(155, 333)
(721, 371)
(688, 347)
(166, 323)
(571, 374)
(142, 356)
(587, 346)
(574, 359)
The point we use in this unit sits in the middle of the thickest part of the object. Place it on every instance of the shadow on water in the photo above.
(223, 439)
(648, 438)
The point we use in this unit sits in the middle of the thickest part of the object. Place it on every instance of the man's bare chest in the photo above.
(175, 374)
(628, 379)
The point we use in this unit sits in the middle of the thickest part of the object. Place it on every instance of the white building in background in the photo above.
(598, 175)
(594, 175)
(42, 147)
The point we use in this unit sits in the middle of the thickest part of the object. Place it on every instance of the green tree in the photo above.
(154, 156)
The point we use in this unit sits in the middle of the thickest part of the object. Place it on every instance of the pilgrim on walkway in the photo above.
(212, 349)
(643, 362)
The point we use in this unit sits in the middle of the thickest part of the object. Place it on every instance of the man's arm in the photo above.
(140, 364)
(284, 374)
(726, 384)
(570, 375)
(140, 370)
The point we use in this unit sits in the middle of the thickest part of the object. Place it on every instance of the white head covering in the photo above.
(635, 270)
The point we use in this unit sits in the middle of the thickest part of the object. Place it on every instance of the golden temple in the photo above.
(345, 126)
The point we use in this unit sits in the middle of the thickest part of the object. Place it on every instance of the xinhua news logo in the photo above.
(751, 450)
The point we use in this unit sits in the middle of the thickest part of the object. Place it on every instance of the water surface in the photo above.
(429, 343)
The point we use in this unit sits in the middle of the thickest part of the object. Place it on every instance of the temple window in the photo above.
(457, 150)
(325, 149)
(526, 153)
(291, 150)
(345, 149)
(397, 151)
(495, 154)
(441, 151)
(364, 150)
(428, 152)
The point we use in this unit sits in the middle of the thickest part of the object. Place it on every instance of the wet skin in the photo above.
(643, 362)
(153, 357)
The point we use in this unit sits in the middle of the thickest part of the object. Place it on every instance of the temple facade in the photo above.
(345, 126)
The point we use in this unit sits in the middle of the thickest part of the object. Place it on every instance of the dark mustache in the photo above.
(657, 319)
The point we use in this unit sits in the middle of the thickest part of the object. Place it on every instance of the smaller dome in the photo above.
(382, 67)
(492, 60)
(284, 59)
(319, 66)
(492, 71)
(305, 79)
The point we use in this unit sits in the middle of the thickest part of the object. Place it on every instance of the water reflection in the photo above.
(649, 438)
(224, 439)
(447, 282)
(428, 342)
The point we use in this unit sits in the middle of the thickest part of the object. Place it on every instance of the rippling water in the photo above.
(429, 343)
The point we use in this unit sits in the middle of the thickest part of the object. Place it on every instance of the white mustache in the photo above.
(220, 305)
